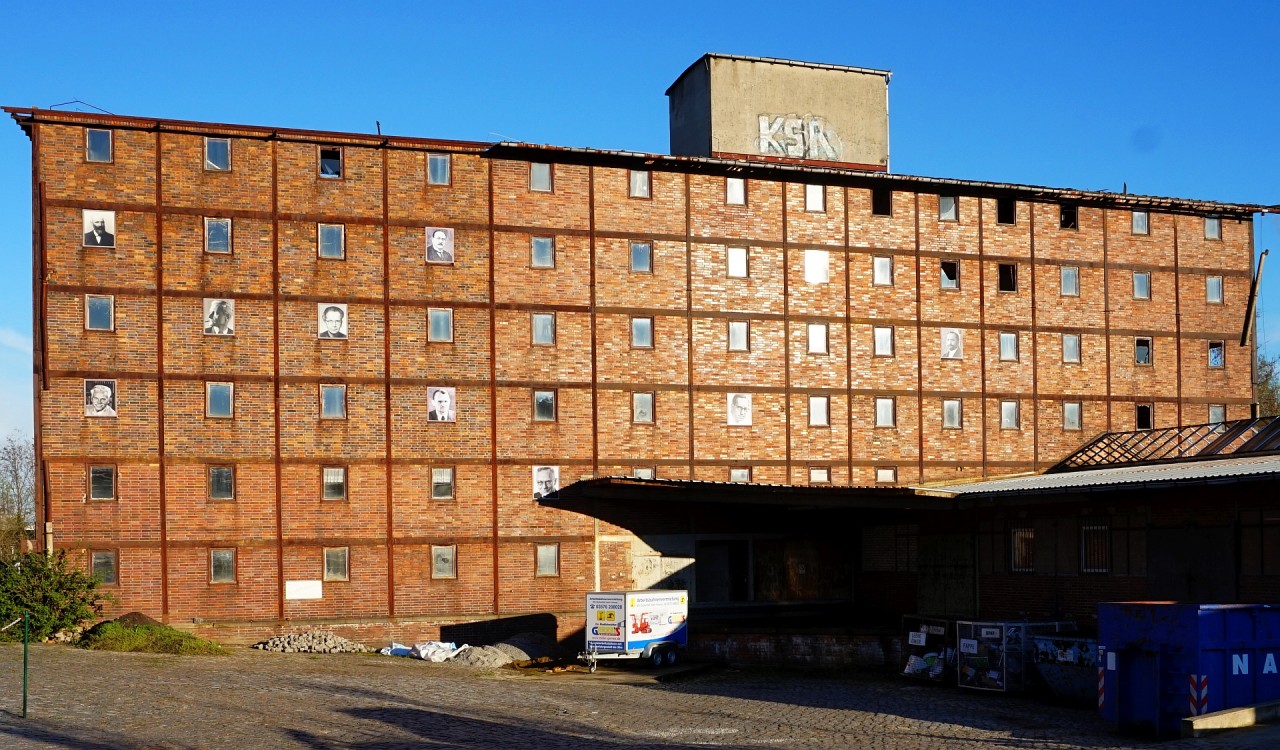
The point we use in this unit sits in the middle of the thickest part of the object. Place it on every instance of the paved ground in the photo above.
(253, 699)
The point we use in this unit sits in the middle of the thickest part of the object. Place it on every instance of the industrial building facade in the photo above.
(288, 375)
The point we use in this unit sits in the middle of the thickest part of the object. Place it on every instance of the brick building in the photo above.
(265, 395)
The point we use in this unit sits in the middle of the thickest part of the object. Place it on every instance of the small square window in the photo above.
(97, 145)
(102, 564)
(1071, 415)
(1008, 346)
(952, 414)
(883, 341)
(819, 475)
(333, 402)
(444, 561)
(886, 474)
(102, 483)
(642, 407)
(222, 483)
(1068, 217)
(642, 333)
(1022, 550)
(642, 257)
(1217, 354)
(817, 264)
(1009, 415)
(438, 172)
(542, 252)
(1144, 416)
(1071, 347)
(99, 312)
(439, 324)
(544, 406)
(334, 479)
(219, 400)
(1069, 281)
(1217, 413)
(739, 335)
(1212, 228)
(950, 270)
(1008, 277)
(817, 338)
(882, 271)
(644, 472)
(739, 474)
(736, 263)
(1139, 223)
(735, 191)
(819, 411)
(1006, 211)
(337, 564)
(948, 208)
(638, 184)
(331, 163)
(222, 566)
(540, 177)
(548, 560)
(1142, 285)
(815, 198)
(1142, 350)
(441, 482)
(331, 240)
(881, 202)
(543, 329)
(886, 412)
(217, 154)
(1213, 290)
(217, 235)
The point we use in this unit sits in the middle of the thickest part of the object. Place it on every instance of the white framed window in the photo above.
(1142, 285)
(638, 184)
(1071, 347)
(97, 146)
(540, 178)
(737, 263)
(1008, 346)
(217, 235)
(542, 252)
(642, 407)
(739, 335)
(819, 475)
(1071, 415)
(333, 402)
(952, 414)
(331, 241)
(547, 559)
(102, 566)
(882, 341)
(441, 482)
(1022, 550)
(444, 561)
(735, 191)
(817, 338)
(99, 312)
(882, 270)
(642, 257)
(948, 208)
(1217, 354)
(333, 481)
(886, 474)
(544, 406)
(222, 566)
(817, 266)
(330, 162)
(222, 483)
(102, 483)
(642, 333)
(886, 411)
(1213, 290)
(217, 154)
(440, 324)
(1142, 350)
(219, 400)
(644, 472)
(1140, 223)
(1069, 281)
(439, 169)
(1009, 415)
(950, 274)
(1212, 228)
(819, 411)
(815, 198)
(739, 473)
(543, 329)
(1217, 413)
(337, 564)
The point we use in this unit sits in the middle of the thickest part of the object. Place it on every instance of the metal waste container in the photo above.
(996, 655)
(928, 649)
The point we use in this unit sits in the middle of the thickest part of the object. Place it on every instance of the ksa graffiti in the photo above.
(803, 137)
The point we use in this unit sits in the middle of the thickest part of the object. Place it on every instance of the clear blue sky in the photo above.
(1175, 98)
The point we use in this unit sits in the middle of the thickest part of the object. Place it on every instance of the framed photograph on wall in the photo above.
(100, 398)
(99, 228)
(219, 316)
(442, 404)
(331, 320)
(439, 245)
(952, 343)
(738, 407)
(546, 480)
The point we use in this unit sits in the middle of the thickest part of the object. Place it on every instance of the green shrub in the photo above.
(55, 596)
(151, 639)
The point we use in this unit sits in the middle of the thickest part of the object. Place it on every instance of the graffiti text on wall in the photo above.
(802, 137)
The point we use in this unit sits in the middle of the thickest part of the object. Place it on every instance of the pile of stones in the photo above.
(311, 642)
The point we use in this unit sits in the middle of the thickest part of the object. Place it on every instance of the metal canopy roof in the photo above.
(1202, 441)
(825, 497)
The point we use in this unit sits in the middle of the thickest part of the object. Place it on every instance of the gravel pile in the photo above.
(521, 647)
(311, 642)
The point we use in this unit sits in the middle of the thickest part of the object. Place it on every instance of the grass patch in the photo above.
(149, 639)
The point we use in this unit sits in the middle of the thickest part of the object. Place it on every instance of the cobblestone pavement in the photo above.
(253, 699)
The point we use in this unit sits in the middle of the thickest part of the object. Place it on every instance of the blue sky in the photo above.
(1173, 98)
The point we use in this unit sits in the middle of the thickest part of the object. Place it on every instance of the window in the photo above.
(736, 263)
(644, 472)
(333, 402)
(642, 257)
(331, 163)
(948, 208)
(642, 407)
(334, 479)
(99, 312)
(1142, 350)
(881, 202)
(817, 338)
(222, 483)
(638, 184)
(1071, 415)
(1144, 416)
(548, 560)
(1217, 413)
(1069, 281)
(217, 235)
(952, 414)
(886, 415)
(102, 483)
(1139, 223)
(882, 341)
(102, 564)
(815, 198)
(1006, 211)
(1022, 550)
(97, 145)
(735, 191)
(739, 474)
(1095, 547)
(819, 411)
(331, 240)
(222, 566)
(543, 327)
(642, 333)
(819, 475)
(1008, 277)
(438, 172)
(540, 178)
(886, 474)
(739, 335)
(337, 564)
(1212, 228)
(1217, 354)
(1009, 415)
(950, 274)
(1142, 285)
(882, 271)
(542, 252)
(439, 324)
(1068, 217)
(441, 482)
(816, 265)
(219, 400)
(1008, 346)
(444, 561)
(1071, 347)
(217, 154)
(544, 406)
(1213, 290)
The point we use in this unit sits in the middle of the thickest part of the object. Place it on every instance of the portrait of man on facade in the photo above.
(739, 408)
(100, 398)
(441, 405)
(546, 480)
(439, 245)
(952, 343)
(99, 228)
(219, 316)
(332, 320)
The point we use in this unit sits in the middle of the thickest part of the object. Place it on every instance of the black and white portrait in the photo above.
(99, 228)
(99, 398)
(952, 343)
(439, 245)
(442, 404)
(546, 480)
(219, 316)
(739, 408)
(332, 320)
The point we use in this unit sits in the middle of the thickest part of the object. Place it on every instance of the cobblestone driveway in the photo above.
(252, 699)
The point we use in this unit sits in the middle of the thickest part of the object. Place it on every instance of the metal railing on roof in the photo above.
(1239, 437)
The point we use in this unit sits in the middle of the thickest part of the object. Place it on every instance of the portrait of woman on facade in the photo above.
(100, 398)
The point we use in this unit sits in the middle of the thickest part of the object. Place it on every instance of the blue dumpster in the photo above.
(1161, 661)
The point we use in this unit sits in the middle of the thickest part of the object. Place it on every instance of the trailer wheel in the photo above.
(671, 657)
(657, 658)
(592, 666)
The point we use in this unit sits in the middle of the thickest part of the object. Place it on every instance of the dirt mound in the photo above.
(134, 619)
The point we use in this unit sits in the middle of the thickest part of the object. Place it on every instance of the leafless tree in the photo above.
(1267, 389)
(17, 492)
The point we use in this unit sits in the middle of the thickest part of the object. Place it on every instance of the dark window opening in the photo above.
(1008, 277)
(1006, 211)
(1068, 217)
(950, 274)
(882, 202)
(1142, 417)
